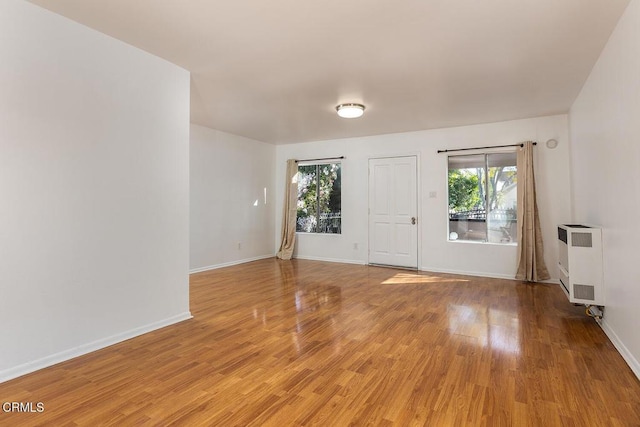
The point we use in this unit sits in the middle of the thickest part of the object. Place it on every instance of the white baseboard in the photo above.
(633, 363)
(229, 264)
(45, 362)
(343, 261)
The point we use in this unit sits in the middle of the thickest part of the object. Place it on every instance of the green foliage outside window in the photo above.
(464, 191)
(319, 198)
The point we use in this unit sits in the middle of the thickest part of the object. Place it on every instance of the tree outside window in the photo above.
(319, 198)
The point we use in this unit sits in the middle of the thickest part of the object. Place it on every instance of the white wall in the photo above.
(605, 156)
(93, 190)
(436, 253)
(230, 176)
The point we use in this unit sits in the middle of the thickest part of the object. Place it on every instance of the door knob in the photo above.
(413, 220)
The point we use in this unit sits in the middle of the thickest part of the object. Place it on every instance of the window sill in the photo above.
(478, 242)
(308, 233)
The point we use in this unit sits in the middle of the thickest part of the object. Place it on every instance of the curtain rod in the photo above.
(484, 148)
(315, 160)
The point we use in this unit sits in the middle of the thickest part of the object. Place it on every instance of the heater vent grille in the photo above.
(582, 240)
(562, 234)
(584, 292)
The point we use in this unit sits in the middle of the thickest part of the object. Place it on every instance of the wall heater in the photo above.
(580, 263)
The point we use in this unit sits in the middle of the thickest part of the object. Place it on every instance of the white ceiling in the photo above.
(275, 70)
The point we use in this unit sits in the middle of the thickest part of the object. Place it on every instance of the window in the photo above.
(483, 197)
(319, 200)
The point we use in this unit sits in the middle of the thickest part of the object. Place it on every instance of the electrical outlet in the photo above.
(239, 245)
(355, 246)
(433, 194)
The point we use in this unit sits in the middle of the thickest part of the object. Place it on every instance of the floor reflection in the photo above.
(317, 308)
(498, 329)
(318, 297)
(306, 311)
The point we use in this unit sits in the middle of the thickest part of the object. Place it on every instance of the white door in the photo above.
(393, 199)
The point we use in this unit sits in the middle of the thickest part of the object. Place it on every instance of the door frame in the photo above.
(415, 154)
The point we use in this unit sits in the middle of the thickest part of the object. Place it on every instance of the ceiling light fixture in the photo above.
(350, 111)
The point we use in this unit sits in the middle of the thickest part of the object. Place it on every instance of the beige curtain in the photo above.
(289, 211)
(531, 265)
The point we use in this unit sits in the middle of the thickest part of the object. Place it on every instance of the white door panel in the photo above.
(381, 238)
(393, 236)
(403, 202)
(403, 239)
(381, 197)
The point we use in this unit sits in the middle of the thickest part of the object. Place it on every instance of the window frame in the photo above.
(486, 166)
(318, 164)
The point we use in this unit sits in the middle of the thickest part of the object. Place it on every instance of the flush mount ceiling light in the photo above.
(350, 111)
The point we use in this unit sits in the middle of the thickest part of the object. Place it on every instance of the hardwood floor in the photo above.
(279, 343)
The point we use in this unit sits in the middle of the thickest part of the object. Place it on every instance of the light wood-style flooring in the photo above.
(283, 343)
